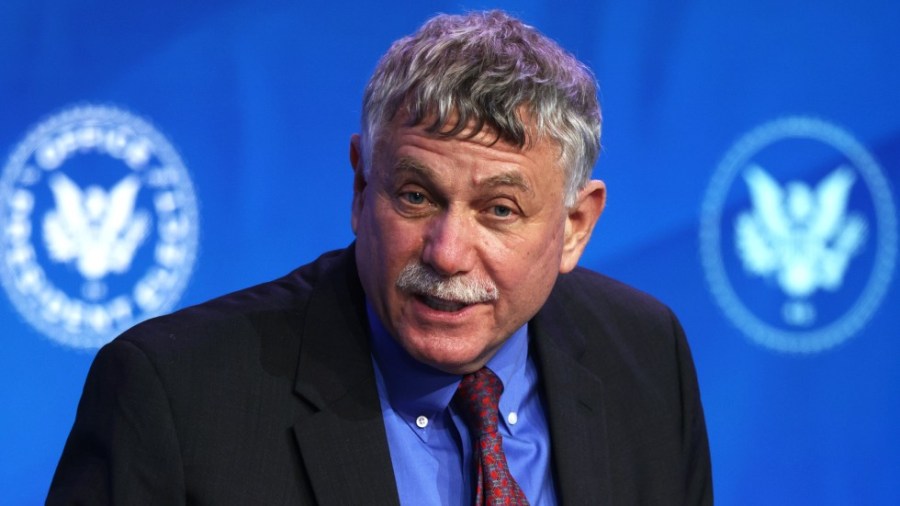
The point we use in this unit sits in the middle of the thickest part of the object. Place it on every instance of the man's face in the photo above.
(484, 218)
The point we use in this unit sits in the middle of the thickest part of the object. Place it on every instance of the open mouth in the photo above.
(435, 303)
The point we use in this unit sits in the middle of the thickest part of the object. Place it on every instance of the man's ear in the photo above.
(359, 181)
(580, 222)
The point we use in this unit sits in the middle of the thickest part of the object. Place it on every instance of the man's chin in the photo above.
(447, 354)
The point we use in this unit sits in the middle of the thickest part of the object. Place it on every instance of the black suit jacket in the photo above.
(267, 396)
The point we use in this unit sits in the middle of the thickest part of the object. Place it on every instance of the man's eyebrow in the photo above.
(513, 179)
(410, 165)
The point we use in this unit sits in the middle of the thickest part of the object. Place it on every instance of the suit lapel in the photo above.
(342, 438)
(574, 400)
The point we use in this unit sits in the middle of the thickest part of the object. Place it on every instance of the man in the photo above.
(374, 375)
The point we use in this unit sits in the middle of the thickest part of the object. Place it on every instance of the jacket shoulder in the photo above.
(610, 325)
(272, 307)
(590, 293)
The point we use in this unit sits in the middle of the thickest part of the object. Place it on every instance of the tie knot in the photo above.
(477, 399)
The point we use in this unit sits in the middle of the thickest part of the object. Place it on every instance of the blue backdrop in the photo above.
(751, 151)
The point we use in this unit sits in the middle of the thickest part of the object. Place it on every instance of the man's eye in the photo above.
(501, 211)
(414, 197)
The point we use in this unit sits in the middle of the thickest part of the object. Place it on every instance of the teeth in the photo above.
(442, 305)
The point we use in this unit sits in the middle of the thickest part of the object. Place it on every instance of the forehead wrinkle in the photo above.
(410, 166)
(506, 179)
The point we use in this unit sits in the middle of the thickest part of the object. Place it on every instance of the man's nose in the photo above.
(450, 244)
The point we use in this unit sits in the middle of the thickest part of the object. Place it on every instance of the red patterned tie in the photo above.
(477, 399)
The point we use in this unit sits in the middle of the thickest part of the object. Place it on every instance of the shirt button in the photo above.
(422, 422)
(512, 418)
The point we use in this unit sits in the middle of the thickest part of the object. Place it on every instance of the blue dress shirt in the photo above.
(429, 443)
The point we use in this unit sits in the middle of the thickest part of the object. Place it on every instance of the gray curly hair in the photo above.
(488, 69)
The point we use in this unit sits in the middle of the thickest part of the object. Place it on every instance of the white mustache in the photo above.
(418, 279)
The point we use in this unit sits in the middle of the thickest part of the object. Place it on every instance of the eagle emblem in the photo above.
(802, 263)
(96, 229)
(802, 237)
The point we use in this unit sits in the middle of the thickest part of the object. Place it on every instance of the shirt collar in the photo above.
(416, 389)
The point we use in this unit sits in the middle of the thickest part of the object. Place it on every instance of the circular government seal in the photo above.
(798, 235)
(98, 225)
